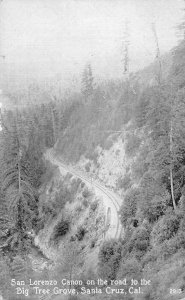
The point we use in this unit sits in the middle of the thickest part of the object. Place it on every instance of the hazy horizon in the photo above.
(46, 38)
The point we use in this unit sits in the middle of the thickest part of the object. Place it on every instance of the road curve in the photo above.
(113, 228)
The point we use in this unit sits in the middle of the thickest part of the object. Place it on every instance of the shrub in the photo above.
(85, 202)
(48, 211)
(87, 167)
(60, 230)
(170, 247)
(129, 268)
(182, 224)
(139, 240)
(86, 193)
(94, 205)
(79, 208)
(151, 256)
(154, 209)
(98, 220)
(93, 243)
(81, 231)
(82, 248)
(165, 229)
(140, 166)
(129, 206)
(109, 259)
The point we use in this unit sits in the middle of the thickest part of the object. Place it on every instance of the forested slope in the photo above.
(152, 212)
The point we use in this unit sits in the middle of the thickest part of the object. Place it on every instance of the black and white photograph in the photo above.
(92, 150)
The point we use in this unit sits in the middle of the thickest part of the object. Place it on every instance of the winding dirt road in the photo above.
(113, 227)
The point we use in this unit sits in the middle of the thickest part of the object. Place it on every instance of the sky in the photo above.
(46, 38)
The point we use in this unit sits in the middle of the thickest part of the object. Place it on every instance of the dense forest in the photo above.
(152, 213)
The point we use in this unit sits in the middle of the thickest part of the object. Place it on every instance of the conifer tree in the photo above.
(181, 28)
(165, 117)
(87, 81)
(18, 191)
(126, 51)
(158, 54)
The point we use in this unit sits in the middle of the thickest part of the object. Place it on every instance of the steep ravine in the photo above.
(111, 201)
(97, 213)
(75, 201)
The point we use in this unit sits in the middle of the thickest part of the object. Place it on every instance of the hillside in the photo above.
(121, 137)
(130, 138)
(93, 187)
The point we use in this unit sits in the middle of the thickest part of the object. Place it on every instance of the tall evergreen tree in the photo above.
(87, 81)
(126, 43)
(158, 54)
(19, 193)
(181, 28)
(166, 120)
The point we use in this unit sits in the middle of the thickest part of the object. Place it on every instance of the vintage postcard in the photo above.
(92, 149)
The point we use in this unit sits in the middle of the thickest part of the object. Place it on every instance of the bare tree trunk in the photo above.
(19, 152)
(19, 175)
(126, 51)
(171, 167)
(54, 128)
(158, 54)
(172, 191)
